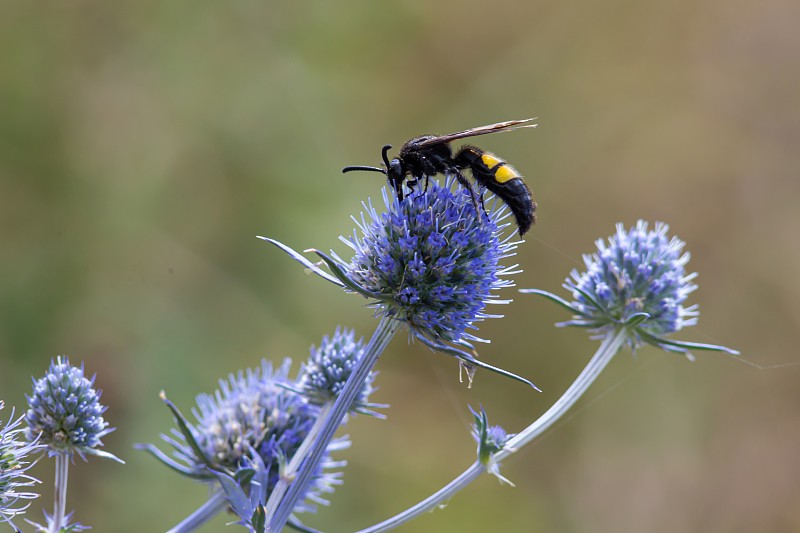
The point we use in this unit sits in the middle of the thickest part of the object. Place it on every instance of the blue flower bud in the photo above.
(327, 369)
(64, 411)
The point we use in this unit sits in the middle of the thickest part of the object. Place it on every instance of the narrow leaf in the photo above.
(170, 463)
(235, 495)
(636, 319)
(183, 427)
(103, 454)
(471, 360)
(552, 297)
(687, 345)
(303, 261)
(589, 298)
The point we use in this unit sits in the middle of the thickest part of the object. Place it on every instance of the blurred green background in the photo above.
(144, 145)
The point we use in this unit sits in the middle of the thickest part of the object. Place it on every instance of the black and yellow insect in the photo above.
(427, 155)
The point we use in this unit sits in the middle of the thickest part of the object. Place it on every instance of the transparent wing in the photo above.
(472, 132)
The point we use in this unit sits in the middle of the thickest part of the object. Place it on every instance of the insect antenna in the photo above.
(360, 167)
(384, 153)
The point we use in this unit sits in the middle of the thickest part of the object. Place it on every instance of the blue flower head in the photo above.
(637, 272)
(65, 413)
(636, 282)
(252, 413)
(432, 261)
(15, 461)
(325, 372)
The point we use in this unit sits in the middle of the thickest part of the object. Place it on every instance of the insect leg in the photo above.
(413, 183)
(467, 185)
(398, 188)
(483, 207)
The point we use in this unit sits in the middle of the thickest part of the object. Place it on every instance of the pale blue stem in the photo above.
(290, 472)
(215, 504)
(60, 507)
(608, 348)
(386, 329)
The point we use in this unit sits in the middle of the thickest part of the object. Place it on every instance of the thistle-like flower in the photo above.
(15, 461)
(65, 413)
(252, 413)
(324, 374)
(431, 261)
(636, 282)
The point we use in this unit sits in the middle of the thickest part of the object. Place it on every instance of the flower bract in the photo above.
(490, 439)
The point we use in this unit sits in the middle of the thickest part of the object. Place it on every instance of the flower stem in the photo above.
(60, 507)
(290, 471)
(605, 352)
(386, 329)
(203, 514)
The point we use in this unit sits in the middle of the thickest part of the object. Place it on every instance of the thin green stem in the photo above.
(387, 327)
(290, 471)
(605, 352)
(215, 504)
(60, 506)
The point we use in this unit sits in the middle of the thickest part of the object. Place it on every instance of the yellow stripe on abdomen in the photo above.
(505, 173)
(490, 160)
(502, 170)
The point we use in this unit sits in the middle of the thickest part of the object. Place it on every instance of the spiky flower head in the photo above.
(635, 284)
(65, 413)
(324, 374)
(432, 260)
(252, 413)
(15, 460)
(636, 273)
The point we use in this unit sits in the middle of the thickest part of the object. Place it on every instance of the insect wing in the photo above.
(473, 132)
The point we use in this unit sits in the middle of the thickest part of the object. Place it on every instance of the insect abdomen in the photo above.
(503, 180)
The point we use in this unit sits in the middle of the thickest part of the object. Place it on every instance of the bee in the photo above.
(427, 155)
